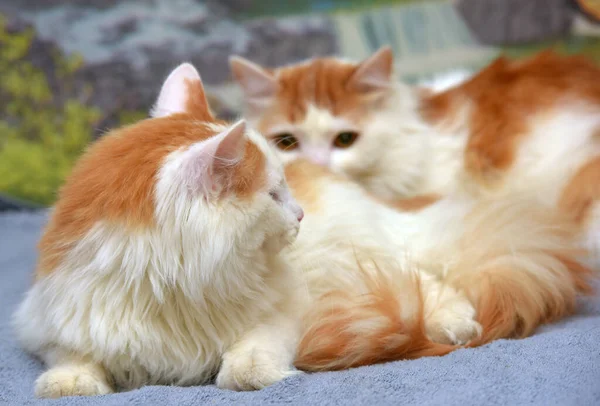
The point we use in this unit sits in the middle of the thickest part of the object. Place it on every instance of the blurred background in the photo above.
(71, 70)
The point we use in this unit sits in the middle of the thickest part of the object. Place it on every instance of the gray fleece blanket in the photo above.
(560, 365)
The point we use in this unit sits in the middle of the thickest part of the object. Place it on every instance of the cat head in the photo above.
(335, 113)
(184, 182)
(226, 172)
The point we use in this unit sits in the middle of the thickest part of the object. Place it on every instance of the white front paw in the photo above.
(454, 324)
(70, 381)
(251, 370)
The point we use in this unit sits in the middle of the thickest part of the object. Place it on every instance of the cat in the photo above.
(514, 126)
(160, 263)
(389, 284)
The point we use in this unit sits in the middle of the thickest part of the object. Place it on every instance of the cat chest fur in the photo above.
(133, 302)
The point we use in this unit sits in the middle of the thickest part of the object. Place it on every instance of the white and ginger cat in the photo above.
(390, 284)
(514, 126)
(160, 261)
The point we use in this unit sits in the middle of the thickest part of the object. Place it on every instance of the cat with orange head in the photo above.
(160, 263)
(531, 125)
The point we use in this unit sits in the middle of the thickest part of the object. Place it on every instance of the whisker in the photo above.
(276, 141)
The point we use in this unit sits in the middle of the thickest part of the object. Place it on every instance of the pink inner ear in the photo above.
(182, 92)
(209, 165)
(375, 73)
(196, 171)
(257, 83)
(232, 146)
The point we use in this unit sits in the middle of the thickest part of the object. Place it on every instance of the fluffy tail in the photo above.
(519, 267)
(347, 330)
(515, 261)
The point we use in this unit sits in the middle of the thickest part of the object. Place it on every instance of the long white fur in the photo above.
(203, 292)
(350, 234)
(398, 154)
(164, 306)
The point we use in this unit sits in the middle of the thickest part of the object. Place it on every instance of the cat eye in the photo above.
(345, 139)
(275, 196)
(286, 141)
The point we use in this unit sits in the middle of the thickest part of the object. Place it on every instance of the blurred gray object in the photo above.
(8, 203)
(130, 46)
(502, 22)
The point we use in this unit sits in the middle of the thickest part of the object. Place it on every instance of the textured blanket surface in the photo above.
(560, 365)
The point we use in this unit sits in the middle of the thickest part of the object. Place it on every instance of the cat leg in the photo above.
(448, 314)
(261, 357)
(71, 375)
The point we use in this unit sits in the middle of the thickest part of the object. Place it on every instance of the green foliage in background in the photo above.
(39, 140)
(40, 137)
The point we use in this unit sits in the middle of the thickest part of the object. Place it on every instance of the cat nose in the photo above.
(300, 215)
(319, 157)
(321, 160)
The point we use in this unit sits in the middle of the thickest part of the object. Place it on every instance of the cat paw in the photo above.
(70, 381)
(250, 371)
(453, 324)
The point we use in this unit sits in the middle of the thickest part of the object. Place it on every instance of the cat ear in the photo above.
(208, 164)
(258, 85)
(182, 92)
(375, 72)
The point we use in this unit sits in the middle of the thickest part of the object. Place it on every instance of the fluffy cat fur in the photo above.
(388, 284)
(531, 125)
(160, 261)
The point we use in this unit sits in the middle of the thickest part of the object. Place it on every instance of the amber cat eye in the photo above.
(286, 141)
(345, 139)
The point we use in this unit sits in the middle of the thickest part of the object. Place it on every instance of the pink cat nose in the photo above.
(300, 215)
(322, 160)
